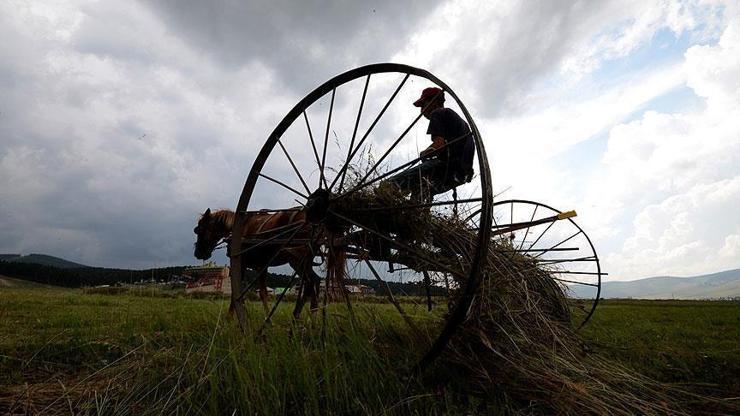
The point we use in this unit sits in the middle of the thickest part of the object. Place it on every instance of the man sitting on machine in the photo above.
(448, 161)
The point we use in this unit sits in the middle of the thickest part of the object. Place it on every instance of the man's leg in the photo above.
(418, 179)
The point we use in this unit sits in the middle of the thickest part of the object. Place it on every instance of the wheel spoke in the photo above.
(246, 289)
(271, 239)
(558, 244)
(527, 232)
(354, 135)
(295, 169)
(283, 185)
(535, 250)
(391, 298)
(272, 210)
(326, 139)
(372, 126)
(580, 273)
(277, 301)
(579, 259)
(471, 216)
(511, 214)
(575, 282)
(387, 152)
(313, 143)
(282, 227)
(541, 234)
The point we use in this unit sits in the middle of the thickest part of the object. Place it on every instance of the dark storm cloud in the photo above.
(302, 41)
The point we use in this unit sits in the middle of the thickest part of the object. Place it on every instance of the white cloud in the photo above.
(507, 56)
(523, 145)
(678, 175)
(682, 235)
(731, 249)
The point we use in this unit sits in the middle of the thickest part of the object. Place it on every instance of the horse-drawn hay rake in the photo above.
(323, 173)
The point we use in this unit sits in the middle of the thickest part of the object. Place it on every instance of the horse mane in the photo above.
(224, 218)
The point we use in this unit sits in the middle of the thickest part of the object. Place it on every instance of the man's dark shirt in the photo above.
(447, 123)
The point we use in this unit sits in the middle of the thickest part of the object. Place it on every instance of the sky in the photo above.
(120, 122)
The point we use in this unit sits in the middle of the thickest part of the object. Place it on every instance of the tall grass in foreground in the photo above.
(127, 355)
(62, 351)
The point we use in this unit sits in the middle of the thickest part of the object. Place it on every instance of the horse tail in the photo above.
(336, 268)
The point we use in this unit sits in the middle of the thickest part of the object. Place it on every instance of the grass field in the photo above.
(63, 351)
(672, 341)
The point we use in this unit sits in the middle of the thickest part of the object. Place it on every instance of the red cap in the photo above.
(429, 93)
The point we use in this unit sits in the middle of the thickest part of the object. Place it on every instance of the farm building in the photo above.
(209, 278)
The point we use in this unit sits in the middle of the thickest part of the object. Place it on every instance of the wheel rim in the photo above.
(299, 180)
(559, 246)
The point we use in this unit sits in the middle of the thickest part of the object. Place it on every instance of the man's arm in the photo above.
(437, 143)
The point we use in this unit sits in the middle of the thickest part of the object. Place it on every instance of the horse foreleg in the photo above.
(262, 279)
(309, 287)
(303, 268)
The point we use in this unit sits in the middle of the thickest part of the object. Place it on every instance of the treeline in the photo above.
(403, 289)
(96, 276)
(87, 276)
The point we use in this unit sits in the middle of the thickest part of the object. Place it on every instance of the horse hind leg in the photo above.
(300, 301)
(303, 268)
(315, 285)
(310, 286)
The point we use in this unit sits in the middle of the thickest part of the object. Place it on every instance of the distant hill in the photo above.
(709, 286)
(42, 259)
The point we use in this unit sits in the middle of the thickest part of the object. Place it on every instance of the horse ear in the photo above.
(207, 213)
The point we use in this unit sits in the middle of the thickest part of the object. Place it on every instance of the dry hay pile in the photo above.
(517, 349)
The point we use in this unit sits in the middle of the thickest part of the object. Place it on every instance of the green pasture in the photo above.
(673, 341)
(64, 350)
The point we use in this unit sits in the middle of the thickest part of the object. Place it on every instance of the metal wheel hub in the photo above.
(317, 206)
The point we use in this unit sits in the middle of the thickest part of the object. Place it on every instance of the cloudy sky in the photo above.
(121, 121)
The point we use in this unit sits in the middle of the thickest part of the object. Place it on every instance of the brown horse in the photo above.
(258, 254)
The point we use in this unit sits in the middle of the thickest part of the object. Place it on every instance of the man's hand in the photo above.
(437, 143)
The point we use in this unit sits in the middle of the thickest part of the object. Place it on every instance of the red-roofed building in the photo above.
(208, 279)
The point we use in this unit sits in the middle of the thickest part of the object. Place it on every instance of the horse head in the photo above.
(211, 229)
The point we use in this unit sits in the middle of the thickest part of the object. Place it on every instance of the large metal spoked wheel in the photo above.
(346, 138)
(558, 245)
